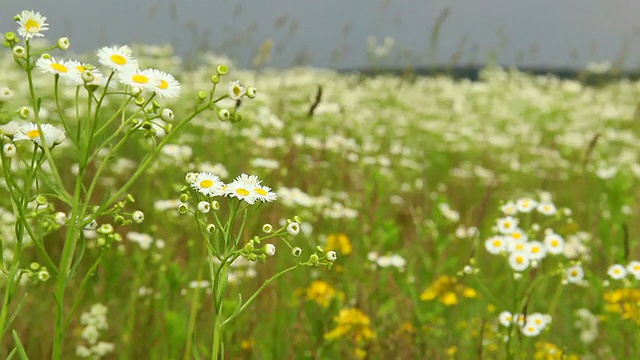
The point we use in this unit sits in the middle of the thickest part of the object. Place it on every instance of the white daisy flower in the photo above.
(547, 208)
(236, 91)
(530, 329)
(117, 58)
(166, 86)
(518, 235)
(248, 179)
(50, 134)
(53, 66)
(208, 184)
(536, 250)
(525, 205)
(141, 79)
(634, 269)
(31, 24)
(264, 193)
(617, 271)
(495, 244)
(517, 246)
(507, 224)
(242, 191)
(554, 243)
(575, 274)
(509, 208)
(5, 93)
(75, 77)
(519, 261)
(505, 318)
(538, 319)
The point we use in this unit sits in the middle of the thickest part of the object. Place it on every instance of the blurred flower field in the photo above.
(404, 218)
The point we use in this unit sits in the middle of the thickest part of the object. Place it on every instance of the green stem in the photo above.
(194, 309)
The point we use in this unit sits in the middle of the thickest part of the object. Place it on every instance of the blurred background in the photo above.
(556, 34)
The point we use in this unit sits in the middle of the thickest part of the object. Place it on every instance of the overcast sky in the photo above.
(550, 33)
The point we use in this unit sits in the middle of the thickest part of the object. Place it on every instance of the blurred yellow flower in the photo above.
(447, 290)
(625, 302)
(246, 344)
(352, 324)
(548, 351)
(340, 243)
(321, 292)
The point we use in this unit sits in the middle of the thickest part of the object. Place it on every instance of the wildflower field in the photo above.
(148, 211)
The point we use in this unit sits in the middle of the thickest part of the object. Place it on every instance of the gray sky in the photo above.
(556, 33)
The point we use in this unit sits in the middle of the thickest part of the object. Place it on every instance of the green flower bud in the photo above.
(119, 220)
(63, 43)
(41, 200)
(19, 52)
(222, 70)
(34, 266)
(202, 95)
(139, 101)
(215, 79)
(224, 115)
(105, 229)
(215, 205)
(211, 228)
(182, 209)
(252, 92)
(249, 247)
(184, 198)
(10, 36)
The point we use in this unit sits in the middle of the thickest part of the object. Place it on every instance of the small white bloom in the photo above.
(50, 134)
(519, 261)
(165, 85)
(554, 243)
(31, 24)
(236, 91)
(505, 318)
(634, 268)
(547, 208)
(575, 274)
(507, 224)
(495, 244)
(530, 330)
(509, 208)
(537, 251)
(207, 184)
(525, 205)
(117, 58)
(617, 271)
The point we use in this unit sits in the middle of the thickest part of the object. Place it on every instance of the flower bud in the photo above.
(249, 247)
(296, 251)
(252, 92)
(204, 207)
(9, 150)
(119, 220)
(167, 115)
(267, 228)
(19, 52)
(139, 100)
(332, 256)
(215, 79)
(41, 200)
(43, 275)
(190, 178)
(60, 218)
(105, 229)
(293, 228)
(202, 95)
(182, 209)
(10, 36)
(25, 112)
(224, 115)
(215, 205)
(34, 266)
(137, 216)
(211, 228)
(87, 76)
(222, 70)
(63, 43)
(269, 249)
(313, 258)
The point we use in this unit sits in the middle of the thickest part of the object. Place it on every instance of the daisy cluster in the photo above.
(529, 324)
(247, 188)
(518, 240)
(619, 271)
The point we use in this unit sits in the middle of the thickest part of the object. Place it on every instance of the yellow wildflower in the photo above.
(321, 292)
(447, 290)
(549, 351)
(340, 243)
(625, 302)
(352, 324)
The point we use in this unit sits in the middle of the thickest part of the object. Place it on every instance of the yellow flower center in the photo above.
(139, 79)
(260, 192)
(163, 84)
(516, 235)
(616, 271)
(507, 224)
(242, 192)
(497, 243)
(81, 68)
(32, 25)
(118, 59)
(59, 67)
(32, 134)
(535, 250)
(236, 90)
(206, 183)
(519, 260)
(555, 243)
(574, 273)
